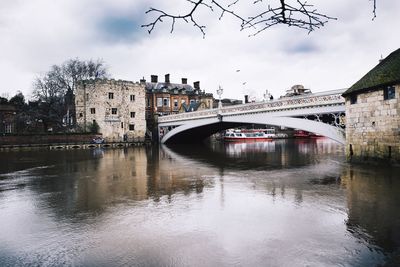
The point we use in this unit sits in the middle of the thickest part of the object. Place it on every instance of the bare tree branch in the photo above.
(300, 14)
(374, 9)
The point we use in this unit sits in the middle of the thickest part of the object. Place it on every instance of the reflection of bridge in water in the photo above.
(320, 113)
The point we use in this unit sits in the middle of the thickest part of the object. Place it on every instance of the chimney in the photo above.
(154, 78)
(196, 85)
(184, 80)
(167, 78)
(246, 99)
(142, 81)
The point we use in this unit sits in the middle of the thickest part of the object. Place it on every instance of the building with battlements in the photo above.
(116, 106)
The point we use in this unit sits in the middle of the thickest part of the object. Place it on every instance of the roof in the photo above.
(387, 72)
(168, 86)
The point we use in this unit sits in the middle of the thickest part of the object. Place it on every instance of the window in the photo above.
(122, 125)
(110, 95)
(92, 111)
(131, 127)
(114, 111)
(353, 99)
(80, 115)
(166, 102)
(132, 114)
(132, 97)
(8, 128)
(159, 102)
(389, 93)
(191, 101)
(87, 96)
(148, 102)
(176, 103)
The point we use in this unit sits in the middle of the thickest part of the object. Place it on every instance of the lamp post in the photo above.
(219, 93)
(267, 96)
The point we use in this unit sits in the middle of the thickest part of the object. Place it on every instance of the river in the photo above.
(279, 203)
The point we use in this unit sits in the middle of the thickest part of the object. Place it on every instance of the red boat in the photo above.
(301, 134)
(305, 134)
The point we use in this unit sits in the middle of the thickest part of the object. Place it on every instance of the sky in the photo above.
(37, 34)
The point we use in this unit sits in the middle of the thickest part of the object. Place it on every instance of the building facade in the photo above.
(8, 114)
(373, 113)
(165, 98)
(117, 107)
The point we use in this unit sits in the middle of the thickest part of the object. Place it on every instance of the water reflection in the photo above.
(373, 197)
(281, 203)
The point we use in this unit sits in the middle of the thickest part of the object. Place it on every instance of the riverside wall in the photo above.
(373, 127)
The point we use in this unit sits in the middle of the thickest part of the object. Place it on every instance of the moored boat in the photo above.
(249, 135)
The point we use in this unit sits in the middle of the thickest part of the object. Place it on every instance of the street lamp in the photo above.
(219, 93)
(267, 96)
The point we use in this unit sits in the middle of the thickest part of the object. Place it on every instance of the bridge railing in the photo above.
(327, 98)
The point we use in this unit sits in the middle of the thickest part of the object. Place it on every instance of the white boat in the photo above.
(251, 135)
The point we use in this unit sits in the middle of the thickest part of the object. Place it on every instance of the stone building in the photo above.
(118, 107)
(373, 113)
(8, 114)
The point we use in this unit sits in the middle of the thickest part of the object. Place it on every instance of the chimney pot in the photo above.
(246, 99)
(167, 78)
(154, 78)
(196, 85)
(184, 80)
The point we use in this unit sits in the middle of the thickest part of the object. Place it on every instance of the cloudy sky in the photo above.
(36, 34)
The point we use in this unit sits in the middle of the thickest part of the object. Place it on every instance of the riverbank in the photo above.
(59, 141)
(63, 146)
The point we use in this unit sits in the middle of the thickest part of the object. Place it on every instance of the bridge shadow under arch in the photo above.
(197, 130)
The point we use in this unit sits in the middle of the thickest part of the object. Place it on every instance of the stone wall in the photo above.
(94, 103)
(373, 127)
(36, 139)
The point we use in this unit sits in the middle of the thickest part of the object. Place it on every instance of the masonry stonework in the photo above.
(118, 107)
(373, 127)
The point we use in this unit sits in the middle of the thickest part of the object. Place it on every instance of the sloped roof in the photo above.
(193, 106)
(168, 86)
(387, 72)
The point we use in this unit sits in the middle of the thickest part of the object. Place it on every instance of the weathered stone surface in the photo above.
(373, 127)
(97, 100)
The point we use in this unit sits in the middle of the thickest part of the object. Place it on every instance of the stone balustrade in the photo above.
(327, 98)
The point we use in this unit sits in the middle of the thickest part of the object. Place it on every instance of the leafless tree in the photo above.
(295, 13)
(51, 88)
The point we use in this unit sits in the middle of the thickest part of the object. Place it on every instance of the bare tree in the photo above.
(295, 13)
(51, 89)
(64, 77)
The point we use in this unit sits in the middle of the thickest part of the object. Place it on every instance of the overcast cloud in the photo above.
(36, 34)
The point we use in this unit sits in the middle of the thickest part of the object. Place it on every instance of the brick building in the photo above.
(373, 113)
(118, 107)
(165, 98)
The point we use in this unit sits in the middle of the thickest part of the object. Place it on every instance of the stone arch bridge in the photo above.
(321, 113)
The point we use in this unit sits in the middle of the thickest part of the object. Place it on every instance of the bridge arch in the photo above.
(196, 130)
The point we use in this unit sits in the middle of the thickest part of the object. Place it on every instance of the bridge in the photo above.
(321, 113)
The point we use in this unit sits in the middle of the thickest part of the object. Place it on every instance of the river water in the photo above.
(281, 203)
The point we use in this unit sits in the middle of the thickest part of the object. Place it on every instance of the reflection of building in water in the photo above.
(373, 198)
(119, 173)
(176, 173)
(132, 173)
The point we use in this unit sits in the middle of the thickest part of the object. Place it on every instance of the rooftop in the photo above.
(387, 72)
